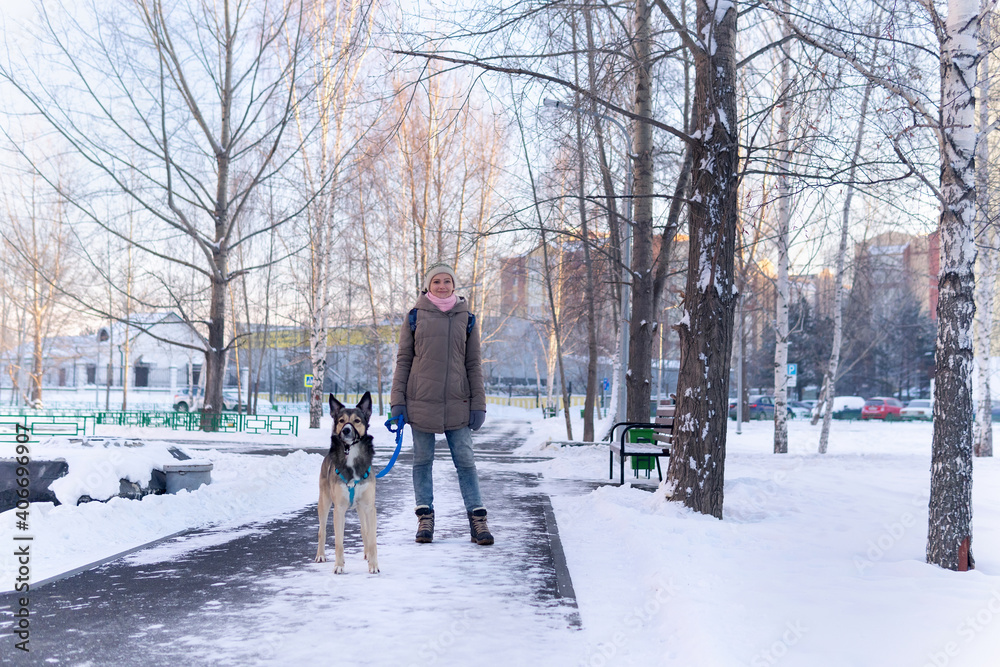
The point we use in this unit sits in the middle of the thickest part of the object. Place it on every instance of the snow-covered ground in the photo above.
(819, 560)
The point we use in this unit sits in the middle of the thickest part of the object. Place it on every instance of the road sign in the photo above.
(605, 385)
(309, 381)
(793, 375)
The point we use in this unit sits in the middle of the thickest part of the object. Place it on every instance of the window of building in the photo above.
(141, 375)
(62, 377)
(91, 374)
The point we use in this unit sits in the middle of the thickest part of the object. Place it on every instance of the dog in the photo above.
(347, 480)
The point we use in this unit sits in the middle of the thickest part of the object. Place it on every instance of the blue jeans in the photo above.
(460, 444)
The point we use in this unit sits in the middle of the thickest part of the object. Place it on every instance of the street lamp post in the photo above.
(626, 307)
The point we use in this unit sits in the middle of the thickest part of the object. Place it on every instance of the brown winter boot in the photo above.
(478, 528)
(425, 524)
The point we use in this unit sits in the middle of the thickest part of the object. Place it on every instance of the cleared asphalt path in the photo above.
(252, 595)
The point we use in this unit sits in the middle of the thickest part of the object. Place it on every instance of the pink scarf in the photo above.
(445, 304)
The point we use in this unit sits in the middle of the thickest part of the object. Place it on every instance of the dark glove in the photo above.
(398, 410)
(476, 419)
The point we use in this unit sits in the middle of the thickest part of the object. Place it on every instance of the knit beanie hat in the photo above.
(434, 270)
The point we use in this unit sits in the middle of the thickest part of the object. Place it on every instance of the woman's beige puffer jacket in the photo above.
(439, 374)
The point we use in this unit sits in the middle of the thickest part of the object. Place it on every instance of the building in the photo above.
(520, 349)
(893, 264)
(141, 362)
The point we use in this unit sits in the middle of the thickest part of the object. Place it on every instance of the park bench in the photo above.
(644, 442)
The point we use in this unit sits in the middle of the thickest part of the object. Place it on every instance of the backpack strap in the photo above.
(412, 317)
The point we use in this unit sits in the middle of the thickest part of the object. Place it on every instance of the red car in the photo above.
(881, 407)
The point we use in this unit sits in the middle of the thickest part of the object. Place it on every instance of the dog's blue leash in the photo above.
(398, 421)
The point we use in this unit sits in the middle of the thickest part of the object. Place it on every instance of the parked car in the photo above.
(759, 407)
(845, 407)
(882, 407)
(233, 400)
(188, 399)
(918, 408)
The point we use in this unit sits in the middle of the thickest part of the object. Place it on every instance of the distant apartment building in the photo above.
(893, 264)
(520, 349)
(885, 266)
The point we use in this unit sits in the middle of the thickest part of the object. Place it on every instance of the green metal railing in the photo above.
(45, 425)
(84, 424)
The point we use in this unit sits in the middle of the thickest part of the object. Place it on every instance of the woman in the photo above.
(438, 388)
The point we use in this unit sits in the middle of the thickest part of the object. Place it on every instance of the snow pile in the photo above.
(97, 464)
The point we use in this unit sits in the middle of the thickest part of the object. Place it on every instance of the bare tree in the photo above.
(589, 292)
(986, 238)
(825, 406)
(949, 540)
(36, 242)
(643, 320)
(697, 462)
(367, 242)
(949, 536)
(551, 287)
(192, 103)
(626, 96)
(329, 136)
(784, 195)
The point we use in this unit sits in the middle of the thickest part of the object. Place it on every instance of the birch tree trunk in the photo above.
(250, 405)
(109, 378)
(362, 211)
(986, 235)
(319, 300)
(949, 534)
(983, 445)
(697, 466)
(825, 407)
(338, 62)
(784, 193)
(128, 316)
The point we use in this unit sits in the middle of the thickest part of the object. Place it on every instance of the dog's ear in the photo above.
(335, 406)
(365, 405)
